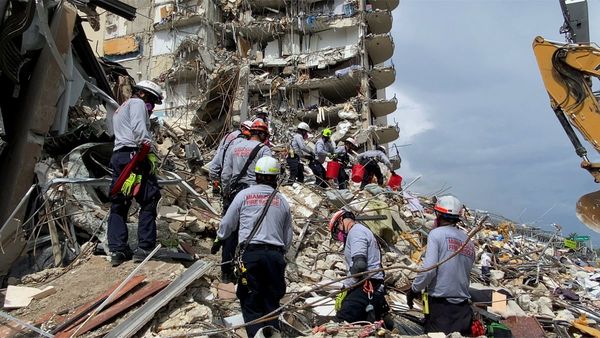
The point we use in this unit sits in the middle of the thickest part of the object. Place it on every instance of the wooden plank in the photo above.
(498, 302)
(87, 308)
(56, 249)
(106, 315)
(145, 313)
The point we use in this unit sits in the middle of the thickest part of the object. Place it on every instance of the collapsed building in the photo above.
(69, 66)
(322, 62)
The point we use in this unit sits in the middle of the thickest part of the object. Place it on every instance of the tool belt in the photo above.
(440, 300)
(234, 189)
(376, 305)
(268, 247)
(126, 150)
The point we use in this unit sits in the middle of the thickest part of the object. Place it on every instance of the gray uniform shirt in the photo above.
(131, 123)
(276, 227)
(323, 149)
(342, 154)
(299, 147)
(376, 155)
(451, 279)
(236, 157)
(361, 242)
(216, 164)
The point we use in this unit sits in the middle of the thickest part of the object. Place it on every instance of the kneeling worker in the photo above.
(370, 159)
(366, 301)
(447, 285)
(261, 284)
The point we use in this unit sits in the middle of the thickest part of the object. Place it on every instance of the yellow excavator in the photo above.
(567, 70)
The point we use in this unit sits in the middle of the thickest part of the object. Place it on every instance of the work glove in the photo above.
(153, 159)
(339, 299)
(216, 246)
(410, 297)
(216, 187)
(130, 183)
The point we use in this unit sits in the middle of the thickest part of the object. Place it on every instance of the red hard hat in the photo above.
(260, 126)
(334, 219)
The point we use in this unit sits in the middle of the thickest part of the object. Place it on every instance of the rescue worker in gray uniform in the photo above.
(447, 285)
(342, 155)
(130, 124)
(370, 159)
(238, 174)
(216, 165)
(298, 149)
(365, 301)
(323, 148)
(261, 284)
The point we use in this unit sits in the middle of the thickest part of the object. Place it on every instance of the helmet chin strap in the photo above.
(150, 107)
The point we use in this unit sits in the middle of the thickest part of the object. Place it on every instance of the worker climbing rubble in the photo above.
(342, 155)
(370, 161)
(297, 150)
(323, 148)
(238, 175)
(131, 123)
(444, 285)
(216, 165)
(363, 298)
(264, 220)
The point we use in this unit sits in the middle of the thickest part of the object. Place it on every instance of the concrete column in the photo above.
(365, 112)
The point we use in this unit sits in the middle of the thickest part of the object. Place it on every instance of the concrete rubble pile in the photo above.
(54, 158)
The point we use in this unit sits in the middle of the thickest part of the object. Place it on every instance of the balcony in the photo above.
(380, 47)
(388, 5)
(382, 77)
(387, 134)
(383, 107)
(379, 21)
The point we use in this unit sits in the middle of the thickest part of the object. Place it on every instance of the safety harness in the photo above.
(239, 268)
(235, 187)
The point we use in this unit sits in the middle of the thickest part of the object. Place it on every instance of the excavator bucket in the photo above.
(588, 210)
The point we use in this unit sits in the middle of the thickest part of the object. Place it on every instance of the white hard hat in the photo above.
(262, 110)
(151, 88)
(267, 165)
(247, 124)
(448, 205)
(303, 126)
(352, 141)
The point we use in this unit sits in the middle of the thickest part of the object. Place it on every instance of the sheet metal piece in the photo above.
(135, 322)
(524, 327)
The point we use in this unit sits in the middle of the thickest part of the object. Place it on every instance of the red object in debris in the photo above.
(477, 328)
(138, 158)
(333, 169)
(358, 171)
(395, 181)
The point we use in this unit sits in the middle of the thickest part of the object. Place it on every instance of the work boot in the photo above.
(119, 257)
(140, 254)
(388, 322)
(228, 277)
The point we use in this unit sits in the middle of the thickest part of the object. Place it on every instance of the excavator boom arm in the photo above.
(566, 70)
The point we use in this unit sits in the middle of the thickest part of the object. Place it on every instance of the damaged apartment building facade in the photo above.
(326, 63)
(66, 66)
